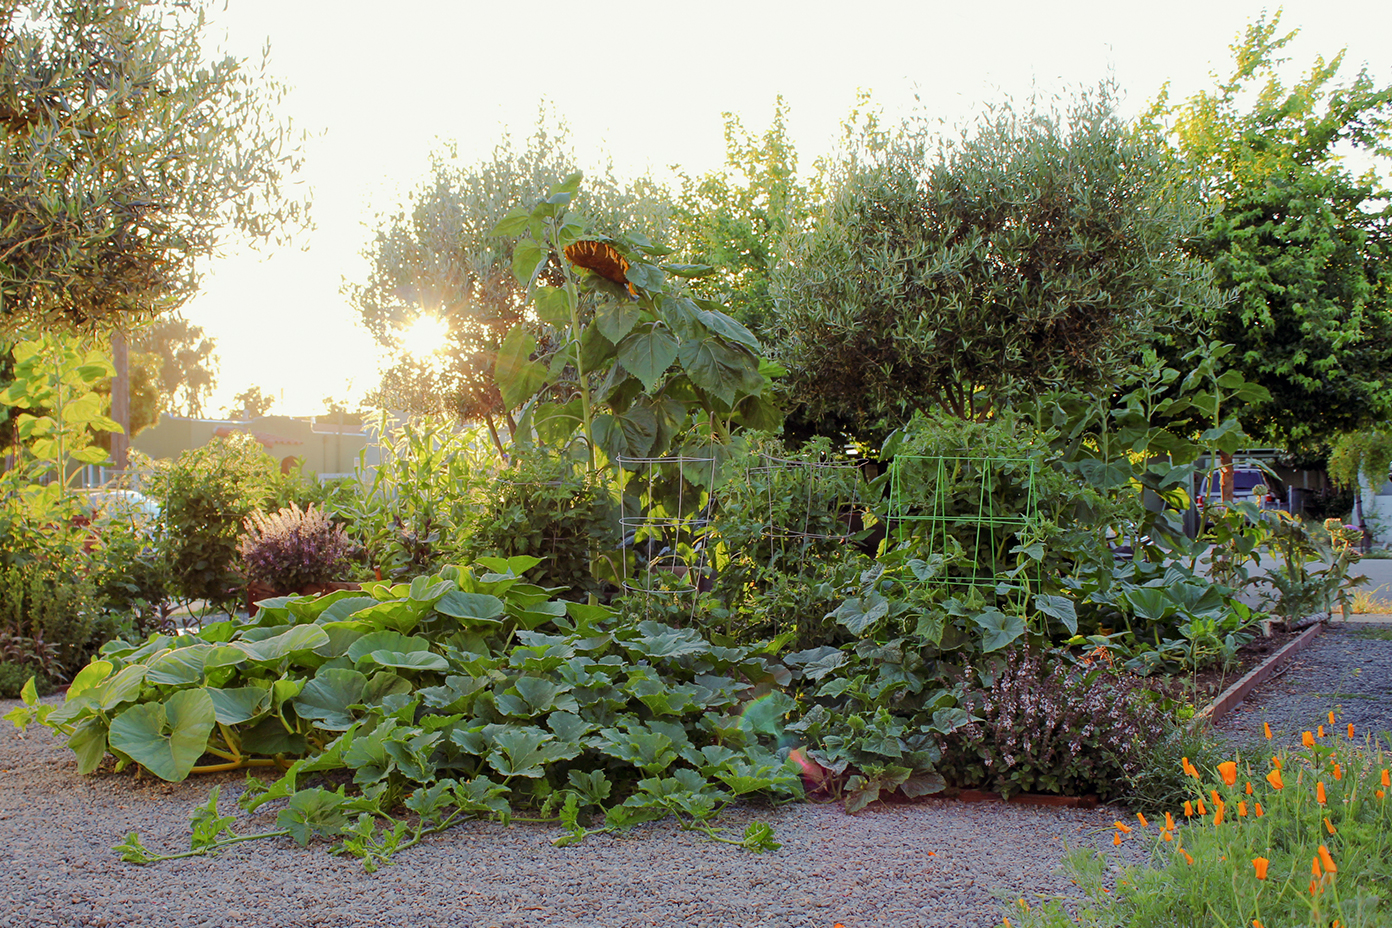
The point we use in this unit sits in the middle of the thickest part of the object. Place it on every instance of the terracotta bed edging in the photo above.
(1232, 697)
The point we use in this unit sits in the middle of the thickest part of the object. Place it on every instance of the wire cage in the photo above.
(665, 514)
(811, 505)
(957, 505)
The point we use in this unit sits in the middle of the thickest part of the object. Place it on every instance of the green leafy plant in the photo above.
(205, 494)
(461, 694)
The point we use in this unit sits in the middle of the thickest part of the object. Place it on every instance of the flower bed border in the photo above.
(1232, 697)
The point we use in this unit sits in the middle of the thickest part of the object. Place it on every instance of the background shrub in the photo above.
(205, 494)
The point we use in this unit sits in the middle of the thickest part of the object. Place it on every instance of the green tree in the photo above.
(251, 403)
(1025, 255)
(738, 219)
(127, 155)
(437, 257)
(185, 366)
(1302, 243)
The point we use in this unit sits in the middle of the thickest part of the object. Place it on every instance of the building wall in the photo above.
(322, 447)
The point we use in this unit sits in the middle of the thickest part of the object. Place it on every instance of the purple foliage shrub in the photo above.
(1046, 725)
(293, 548)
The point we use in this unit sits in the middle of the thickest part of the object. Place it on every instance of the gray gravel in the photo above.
(935, 863)
(1347, 669)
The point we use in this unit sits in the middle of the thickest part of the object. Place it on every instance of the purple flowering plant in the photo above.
(293, 548)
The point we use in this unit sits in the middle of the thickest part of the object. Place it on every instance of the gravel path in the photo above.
(1348, 669)
(936, 863)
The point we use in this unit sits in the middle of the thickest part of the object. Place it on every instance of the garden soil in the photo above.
(937, 863)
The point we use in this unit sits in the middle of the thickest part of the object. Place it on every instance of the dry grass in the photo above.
(1366, 601)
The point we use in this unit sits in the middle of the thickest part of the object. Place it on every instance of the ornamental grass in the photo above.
(1299, 838)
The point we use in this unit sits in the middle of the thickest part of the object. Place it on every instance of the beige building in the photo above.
(322, 447)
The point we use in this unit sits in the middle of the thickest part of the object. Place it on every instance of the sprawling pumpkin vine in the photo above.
(469, 693)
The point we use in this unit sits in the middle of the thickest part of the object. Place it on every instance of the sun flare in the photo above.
(424, 337)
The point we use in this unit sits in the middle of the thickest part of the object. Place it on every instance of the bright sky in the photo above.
(645, 84)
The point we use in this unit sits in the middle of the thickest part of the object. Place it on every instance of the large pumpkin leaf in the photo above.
(385, 640)
(297, 640)
(240, 704)
(998, 629)
(166, 738)
(524, 751)
(408, 660)
(327, 697)
(477, 607)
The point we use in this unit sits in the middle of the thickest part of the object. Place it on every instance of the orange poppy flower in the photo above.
(1188, 768)
(1338, 772)
(1327, 860)
(1331, 716)
(1249, 787)
(1122, 827)
(1187, 855)
(1319, 792)
(1328, 826)
(1266, 730)
(1256, 923)
(1142, 819)
(1260, 813)
(1315, 868)
(1307, 739)
(1228, 771)
(1116, 839)
(1274, 778)
(1379, 794)
(1218, 816)
(1202, 809)
(1188, 809)
(1242, 809)
(1350, 731)
(1169, 822)
(1261, 863)
(1167, 835)
(1213, 794)
(1385, 780)
(1321, 731)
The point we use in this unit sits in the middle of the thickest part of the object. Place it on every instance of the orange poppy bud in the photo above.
(1274, 778)
(1188, 808)
(1328, 826)
(1218, 816)
(1338, 772)
(1167, 835)
(1350, 731)
(1379, 794)
(1201, 808)
(1242, 809)
(1141, 818)
(1249, 787)
(1315, 868)
(1228, 771)
(1331, 718)
(1266, 730)
(1169, 822)
(1261, 863)
(1260, 813)
(1116, 839)
(1319, 792)
(1276, 762)
(1321, 731)
(1187, 855)
(1307, 739)
(1256, 923)
(1122, 827)
(1385, 780)
(1213, 794)
(1327, 860)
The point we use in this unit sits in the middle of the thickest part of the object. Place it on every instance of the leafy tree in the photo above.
(127, 153)
(438, 257)
(185, 365)
(1303, 243)
(737, 219)
(251, 403)
(959, 273)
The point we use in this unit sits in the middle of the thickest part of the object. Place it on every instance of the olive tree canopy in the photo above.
(126, 155)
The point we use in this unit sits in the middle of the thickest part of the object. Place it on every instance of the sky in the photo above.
(644, 85)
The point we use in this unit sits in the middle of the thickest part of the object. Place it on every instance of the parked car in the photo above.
(105, 504)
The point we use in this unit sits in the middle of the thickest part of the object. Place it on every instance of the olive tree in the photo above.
(1028, 253)
(126, 155)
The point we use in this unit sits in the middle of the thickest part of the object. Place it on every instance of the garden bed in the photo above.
(1198, 690)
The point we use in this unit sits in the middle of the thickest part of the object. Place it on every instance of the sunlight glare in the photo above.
(424, 337)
